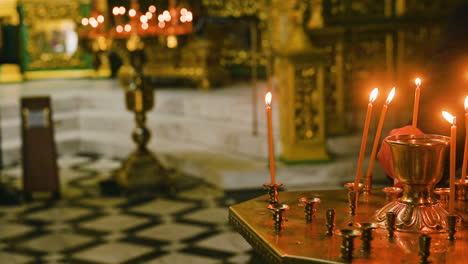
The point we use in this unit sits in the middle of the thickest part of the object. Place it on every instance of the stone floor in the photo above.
(85, 227)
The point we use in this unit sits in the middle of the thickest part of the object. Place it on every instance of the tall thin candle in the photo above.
(417, 93)
(362, 151)
(465, 154)
(368, 179)
(453, 146)
(270, 138)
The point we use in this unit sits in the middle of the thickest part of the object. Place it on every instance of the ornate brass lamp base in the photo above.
(415, 218)
(418, 162)
(141, 170)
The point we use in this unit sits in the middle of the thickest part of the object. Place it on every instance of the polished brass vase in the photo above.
(418, 162)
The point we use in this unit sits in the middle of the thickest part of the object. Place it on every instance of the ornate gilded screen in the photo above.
(49, 39)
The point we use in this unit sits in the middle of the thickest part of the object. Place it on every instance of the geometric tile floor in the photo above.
(86, 228)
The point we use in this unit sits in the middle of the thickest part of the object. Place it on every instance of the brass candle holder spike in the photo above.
(424, 249)
(330, 221)
(278, 210)
(444, 195)
(392, 193)
(461, 190)
(353, 196)
(451, 226)
(310, 207)
(347, 243)
(366, 236)
(272, 190)
(418, 164)
(390, 222)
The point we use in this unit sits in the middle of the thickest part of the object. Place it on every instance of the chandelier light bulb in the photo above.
(115, 10)
(144, 26)
(152, 8)
(189, 16)
(131, 12)
(143, 19)
(161, 18)
(128, 28)
(122, 10)
(161, 24)
(100, 18)
(84, 21)
(119, 29)
(149, 15)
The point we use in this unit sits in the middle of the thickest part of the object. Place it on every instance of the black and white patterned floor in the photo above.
(86, 228)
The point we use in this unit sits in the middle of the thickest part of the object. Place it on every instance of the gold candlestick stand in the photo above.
(141, 169)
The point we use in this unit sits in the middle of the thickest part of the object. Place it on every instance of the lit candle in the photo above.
(270, 138)
(453, 145)
(416, 102)
(362, 151)
(368, 179)
(465, 154)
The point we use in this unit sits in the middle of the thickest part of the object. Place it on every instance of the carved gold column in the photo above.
(300, 71)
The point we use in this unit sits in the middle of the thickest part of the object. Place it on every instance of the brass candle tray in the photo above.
(307, 242)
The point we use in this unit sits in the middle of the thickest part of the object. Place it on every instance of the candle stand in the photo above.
(461, 190)
(353, 196)
(301, 242)
(272, 190)
(141, 169)
(310, 207)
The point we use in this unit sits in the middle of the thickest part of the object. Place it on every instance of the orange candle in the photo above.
(368, 179)
(465, 154)
(416, 102)
(453, 146)
(362, 151)
(270, 138)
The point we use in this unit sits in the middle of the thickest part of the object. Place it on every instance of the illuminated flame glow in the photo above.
(373, 95)
(417, 81)
(152, 8)
(128, 28)
(84, 21)
(115, 10)
(132, 12)
(119, 28)
(122, 10)
(144, 26)
(450, 118)
(390, 96)
(100, 18)
(466, 104)
(149, 15)
(93, 22)
(143, 19)
(268, 98)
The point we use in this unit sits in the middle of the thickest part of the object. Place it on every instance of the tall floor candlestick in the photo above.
(270, 138)
(453, 145)
(465, 154)
(417, 93)
(368, 179)
(362, 150)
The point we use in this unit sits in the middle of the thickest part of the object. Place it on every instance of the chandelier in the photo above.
(175, 20)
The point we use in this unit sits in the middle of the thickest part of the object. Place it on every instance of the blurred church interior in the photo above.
(128, 127)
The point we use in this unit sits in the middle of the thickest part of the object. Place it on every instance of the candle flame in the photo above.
(390, 96)
(373, 95)
(417, 82)
(268, 98)
(450, 118)
(466, 104)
